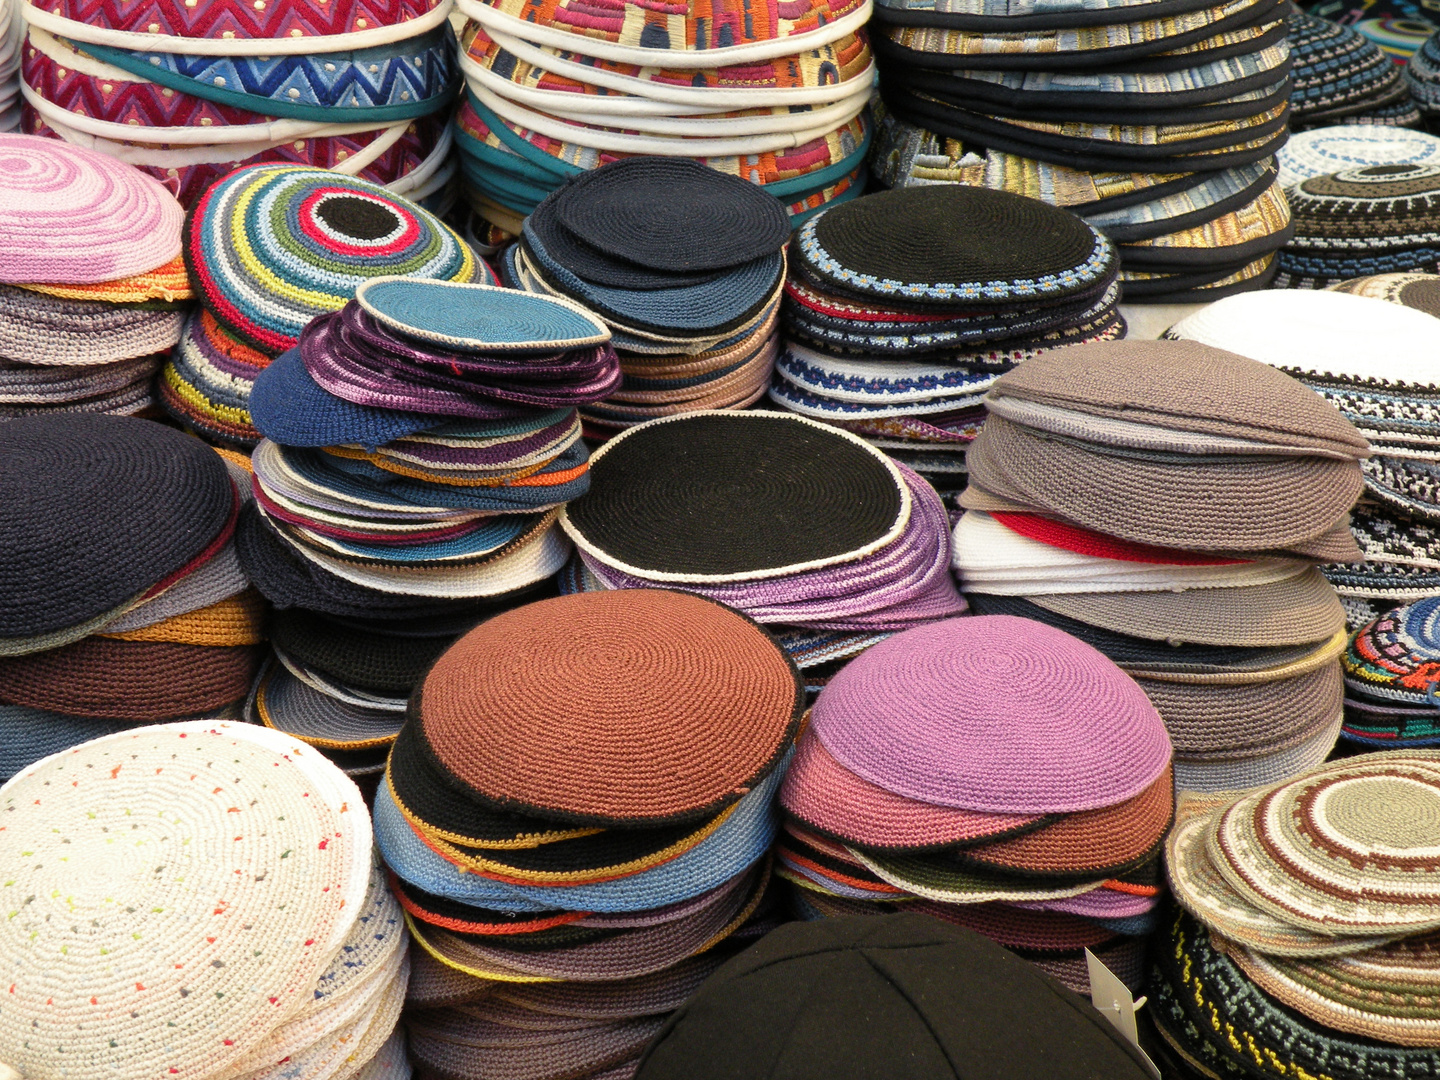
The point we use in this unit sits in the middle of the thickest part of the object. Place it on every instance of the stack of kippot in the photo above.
(584, 830)
(122, 599)
(896, 996)
(1308, 932)
(1165, 501)
(91, 282)
(685, 266)
(1422, 75)
(418, 444)
(992, 772)
(1391, 670)
(805, 528)
(1376, 219)
(226, 876)
(1156, 125)
(189, 92)
(902, 307)
(1369, 359)
(1342, 77)
(774, 96)
(1326, 150)
(271, 247)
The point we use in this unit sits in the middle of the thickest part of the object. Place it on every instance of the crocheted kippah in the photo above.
(859, 994)
(1183, 386)
(666, 502)
(1412, 290)
(96, 510)
(996, 714)
(595, 708)
(956, 246)
(379, 663)
(75, 216)
(269, 247)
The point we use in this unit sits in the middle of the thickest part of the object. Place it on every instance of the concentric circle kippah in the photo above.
(269, 247)
(95, 511)
(480, 318)
(77, 216)
(956, 245)
(723, 496)
(993, 713)
(628, 709)
(711, 221)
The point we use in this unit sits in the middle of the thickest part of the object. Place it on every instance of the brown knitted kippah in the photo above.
(1184, 386)
(144, 681)
(630, 708)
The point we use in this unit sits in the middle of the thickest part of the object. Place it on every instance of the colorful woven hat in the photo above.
(228, 981)
(1328, 150)
(334, 232)
(1339, 74)
(1357, 222)
(77, 216)
(1393, 658)
(1422, 76)
(956, 754)
(722, 652)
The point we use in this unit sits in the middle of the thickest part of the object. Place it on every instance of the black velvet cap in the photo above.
(894, 997)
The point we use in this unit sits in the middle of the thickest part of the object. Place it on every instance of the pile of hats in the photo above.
(902, 307)
(1306, 941)
(271, 247)
(1374, 219)
(683, 263)
(1398, 27)
(1422, 76)
(1370, 359)
(243, 925)
(1321, 151)
(1339, 76)
(801, 526)
(1164, 501)
(1391, 669)
(418, 443)
(774, 96)
(577, 815)
(91, 282)
(189, 92)
(122, 599)
(992, 772)
(11, 31)
(896, 996)
(1157, 126)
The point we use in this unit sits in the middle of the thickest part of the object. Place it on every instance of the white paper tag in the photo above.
(1115, 1002)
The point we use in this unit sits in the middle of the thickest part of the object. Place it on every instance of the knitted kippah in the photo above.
(735, 496)
(1360, 208)
(378, 663)
(1412, 290)
(95, 510)
(669, 214)
(854, 996)
(75, 216)
(996, 714)
(954, 245)
(1184, 386)
(1352, 146)
(269, 247)
(597, 708)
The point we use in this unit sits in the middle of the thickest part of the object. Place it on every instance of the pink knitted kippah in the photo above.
(993, 713)
(71, 216)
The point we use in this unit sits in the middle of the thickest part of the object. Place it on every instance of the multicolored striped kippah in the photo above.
(269, 247)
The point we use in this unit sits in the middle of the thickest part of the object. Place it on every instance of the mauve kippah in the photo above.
(631, 708)
(993, 713)
(95, 510)
(1184, 386)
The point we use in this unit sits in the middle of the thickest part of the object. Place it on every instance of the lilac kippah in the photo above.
(993, 713)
